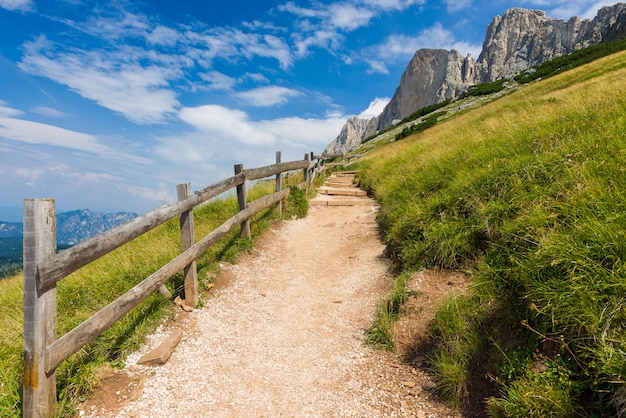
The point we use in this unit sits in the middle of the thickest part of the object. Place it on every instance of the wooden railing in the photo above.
(44, 268)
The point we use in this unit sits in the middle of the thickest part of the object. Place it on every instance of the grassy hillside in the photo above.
(89, 289)
(528, 193)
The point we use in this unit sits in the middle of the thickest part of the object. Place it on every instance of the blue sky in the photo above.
(109, 105)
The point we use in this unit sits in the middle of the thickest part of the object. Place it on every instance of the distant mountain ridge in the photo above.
(75, 226)
(515, 41)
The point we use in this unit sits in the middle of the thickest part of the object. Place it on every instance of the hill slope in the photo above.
(527, 193)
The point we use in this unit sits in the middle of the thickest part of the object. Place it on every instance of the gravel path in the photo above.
(282, 335)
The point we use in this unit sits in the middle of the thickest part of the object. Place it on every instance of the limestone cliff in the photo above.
(350, 136)
(432, 75)
(515, 41)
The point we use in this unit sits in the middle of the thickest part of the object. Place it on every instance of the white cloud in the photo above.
(119, 83)
(457, 5)
(39, 133)
(187, 149)
(62, 179)
(226, 124)
(19, 5)
(399, 48)
(375, 108)
(121, 24)
(326, 39)
(233, 44)
(221, 133)
(349, 17)
(311, 134)
(91, 178)
(346, 15)
(55, 172)
(269, 46)
(268, 96)
(62, 142)
(376, 67)
(48, 112)
(291, 7)
(139, 82)
(218, 81)
(393, 4)
(32, 174)
(256, 77)
(161, 194)
(323, 25)
(162, 35)
(8, 112)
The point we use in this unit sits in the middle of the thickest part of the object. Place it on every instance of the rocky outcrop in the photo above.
(516, 41)
(350, 136)
(617, 29)
(432, 75)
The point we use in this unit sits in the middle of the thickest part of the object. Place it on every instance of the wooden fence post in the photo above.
(279, 182)
(312, 170)
(39, 309)
(241, 200)
(187, 239)
(305, 172)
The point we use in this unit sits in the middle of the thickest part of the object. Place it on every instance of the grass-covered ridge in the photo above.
(528, 193)
(91, 288)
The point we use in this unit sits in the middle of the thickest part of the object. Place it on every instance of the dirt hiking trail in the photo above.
(282, 333)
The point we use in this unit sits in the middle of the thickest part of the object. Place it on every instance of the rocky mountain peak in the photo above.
(350, 136)
(75, 226)
(515, 41)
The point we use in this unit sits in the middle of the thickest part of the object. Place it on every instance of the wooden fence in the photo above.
(44, 268)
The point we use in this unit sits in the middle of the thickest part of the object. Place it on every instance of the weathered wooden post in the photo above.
(39, 309)
(305, 172)
(187, 239)
(279, 182)
(312, 170)
(241, 200)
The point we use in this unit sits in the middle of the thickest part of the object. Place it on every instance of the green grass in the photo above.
(380, 334)
(570, 61)
(85, 292)
(528, 193)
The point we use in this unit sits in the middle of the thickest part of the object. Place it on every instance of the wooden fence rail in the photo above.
(44, 268)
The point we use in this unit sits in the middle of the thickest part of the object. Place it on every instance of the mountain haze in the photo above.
(75, 226)
(515, 41)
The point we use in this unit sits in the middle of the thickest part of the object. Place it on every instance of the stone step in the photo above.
(340, 202)
(341, 192)
(339, 184)
(342, 180)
